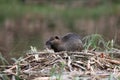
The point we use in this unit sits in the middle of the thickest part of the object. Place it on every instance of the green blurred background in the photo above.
(25, 23)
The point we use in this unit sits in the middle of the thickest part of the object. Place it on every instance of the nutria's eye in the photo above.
(56, 37)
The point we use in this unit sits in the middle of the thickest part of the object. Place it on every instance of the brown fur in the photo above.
(69, 42)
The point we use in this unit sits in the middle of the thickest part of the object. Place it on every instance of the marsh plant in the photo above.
(17, 62)
(3, 61)
(57, 74)
(97, 42)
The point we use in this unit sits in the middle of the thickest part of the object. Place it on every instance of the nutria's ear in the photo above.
(56, 37)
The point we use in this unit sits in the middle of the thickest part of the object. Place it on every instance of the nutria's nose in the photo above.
(48, 46)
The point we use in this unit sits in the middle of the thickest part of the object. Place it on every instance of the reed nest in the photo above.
(48, 65)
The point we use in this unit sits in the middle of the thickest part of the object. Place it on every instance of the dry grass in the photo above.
(46, 65)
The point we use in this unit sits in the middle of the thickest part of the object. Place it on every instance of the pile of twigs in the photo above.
(67, 65)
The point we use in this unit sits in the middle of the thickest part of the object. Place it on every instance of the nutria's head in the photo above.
(53, 43)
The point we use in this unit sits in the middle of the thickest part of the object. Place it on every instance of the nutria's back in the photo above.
(70, 37)
(69, 42)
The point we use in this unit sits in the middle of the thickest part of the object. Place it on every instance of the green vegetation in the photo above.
(15, 8)
(3, 60)
(96, 42)
(57, 73)
(18, 69)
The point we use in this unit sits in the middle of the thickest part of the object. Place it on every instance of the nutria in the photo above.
(69, 42)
